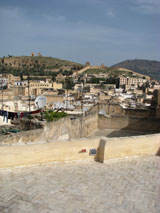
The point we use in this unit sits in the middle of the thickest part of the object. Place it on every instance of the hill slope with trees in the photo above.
(37, 66)
(145, 67)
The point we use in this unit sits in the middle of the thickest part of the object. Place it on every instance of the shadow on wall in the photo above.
(158, 153)
(129, 126)
(124, 133)
(149, 125)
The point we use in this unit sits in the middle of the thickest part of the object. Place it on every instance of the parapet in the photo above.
(79, 150)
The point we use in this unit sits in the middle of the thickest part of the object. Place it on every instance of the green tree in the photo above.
(67, 73)
(54, 116)
(69, 83)
(21, 76)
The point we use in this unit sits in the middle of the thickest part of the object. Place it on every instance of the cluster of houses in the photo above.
(132, 92)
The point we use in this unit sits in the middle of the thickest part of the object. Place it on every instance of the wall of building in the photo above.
(111, 109)
(57, 85)
(54, 98)
(136, 112)
(129, 123)
(20, 90)
(116, 109)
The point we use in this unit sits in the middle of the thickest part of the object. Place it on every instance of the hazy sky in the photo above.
(99, 31)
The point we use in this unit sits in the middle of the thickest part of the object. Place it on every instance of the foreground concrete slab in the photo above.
(120, 186)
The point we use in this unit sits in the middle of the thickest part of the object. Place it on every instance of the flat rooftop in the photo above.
(119, 186)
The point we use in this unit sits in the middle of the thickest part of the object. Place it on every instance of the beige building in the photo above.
(35, 87)
(132, 81)
(45, 85)
(60, 78)
(12, 79)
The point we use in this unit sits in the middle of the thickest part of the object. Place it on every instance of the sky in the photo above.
(99, 31)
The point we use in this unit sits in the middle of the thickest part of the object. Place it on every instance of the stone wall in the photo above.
(116, 109)
(63, 129)
(111, 109)
(142, 124)
(86, 68)
(21, 137)
(136, 112)
(69, 128)
(112, 122)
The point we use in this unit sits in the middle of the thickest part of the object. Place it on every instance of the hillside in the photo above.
(16, 61)
(37, 65)
(145, 67)
(110, 72)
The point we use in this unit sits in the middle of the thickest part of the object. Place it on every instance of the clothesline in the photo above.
(14, 115)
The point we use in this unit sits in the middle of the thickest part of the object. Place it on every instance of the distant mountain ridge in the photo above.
(145, 67)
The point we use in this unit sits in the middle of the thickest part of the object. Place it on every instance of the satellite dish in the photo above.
(40, 101)
(85, 109)
(102, 112)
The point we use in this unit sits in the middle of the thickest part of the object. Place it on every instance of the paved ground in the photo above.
(131, 186)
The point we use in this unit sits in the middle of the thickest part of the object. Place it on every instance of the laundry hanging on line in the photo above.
(15, 115)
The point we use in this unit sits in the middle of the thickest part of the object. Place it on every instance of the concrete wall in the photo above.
(110, 148)
(136, 112)
(45, 153)
(54, 98)
(68, 128)
(21, 137)
(129, 123)
(116, 148)
(116, 109)
(62, 129)
(111, 109)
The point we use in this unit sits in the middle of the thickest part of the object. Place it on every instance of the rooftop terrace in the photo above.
(123, 186)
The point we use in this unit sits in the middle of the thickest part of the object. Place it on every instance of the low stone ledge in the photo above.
(129, 147)
(32, 153)
(78, 150)
(21, 137)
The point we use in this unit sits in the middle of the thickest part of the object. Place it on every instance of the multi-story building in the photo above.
(45, 85)
(132, 81)
(35, 87)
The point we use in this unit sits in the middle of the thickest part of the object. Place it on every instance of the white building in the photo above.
(3, 82)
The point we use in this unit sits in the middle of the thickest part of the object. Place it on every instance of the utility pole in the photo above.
(2, 80)
(67, 99)
(67, 82)
(29, 98)
(98, 102)
(81, 112)
(29, 93)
